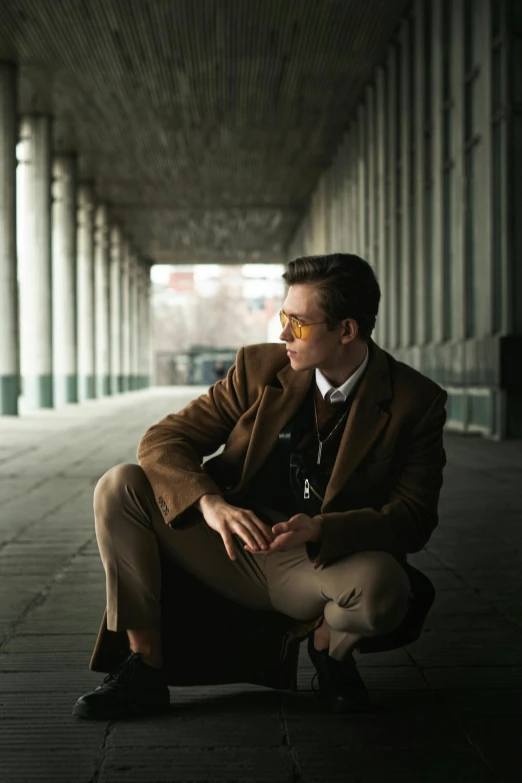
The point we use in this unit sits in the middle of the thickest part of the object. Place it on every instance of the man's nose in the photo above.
(287, 334)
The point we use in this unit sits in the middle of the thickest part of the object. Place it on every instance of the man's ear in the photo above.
(350, 330)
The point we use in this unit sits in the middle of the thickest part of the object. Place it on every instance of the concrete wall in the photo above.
(424, 186)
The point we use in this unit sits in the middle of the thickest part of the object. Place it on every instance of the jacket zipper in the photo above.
(307, 488)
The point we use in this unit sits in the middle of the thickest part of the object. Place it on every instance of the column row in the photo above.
(425, 186)
(74, 295)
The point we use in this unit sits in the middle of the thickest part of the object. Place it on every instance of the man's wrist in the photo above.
(317, 528)
(204, 500)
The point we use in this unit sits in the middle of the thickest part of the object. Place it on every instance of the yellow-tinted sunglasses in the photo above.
(299, 330)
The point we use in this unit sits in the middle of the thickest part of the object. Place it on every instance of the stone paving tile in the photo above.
(58, 733)
(46, 659)
(360, 732)
(462, 602)
(73, 681)
(240, 724)
(440, 624)
(466, 650)
(244, 765)
(474, 676)
(34, 642)
(481, 700)
(326, 764)
(47, 765)
(498, 741)
(448, 707)
(443, 580)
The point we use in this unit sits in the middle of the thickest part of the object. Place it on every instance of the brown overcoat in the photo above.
(382, 495)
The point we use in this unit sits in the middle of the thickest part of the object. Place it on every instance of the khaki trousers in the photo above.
(366, 594)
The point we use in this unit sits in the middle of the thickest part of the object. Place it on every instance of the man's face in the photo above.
(321, 348)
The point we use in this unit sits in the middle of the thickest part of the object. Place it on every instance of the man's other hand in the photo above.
(297, 531)
(227, 520)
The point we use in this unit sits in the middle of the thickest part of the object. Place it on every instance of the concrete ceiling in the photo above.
(205, 124)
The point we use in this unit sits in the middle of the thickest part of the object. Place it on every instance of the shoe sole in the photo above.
(82, 711)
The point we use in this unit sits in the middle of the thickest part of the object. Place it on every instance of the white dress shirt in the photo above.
(340, 394)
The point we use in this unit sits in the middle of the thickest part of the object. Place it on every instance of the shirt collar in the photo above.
(341, 393)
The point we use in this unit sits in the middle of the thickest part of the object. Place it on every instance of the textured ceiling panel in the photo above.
(204, 123)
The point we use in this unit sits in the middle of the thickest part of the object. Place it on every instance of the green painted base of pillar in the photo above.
(38, 391)
(120, 383)
(9, 390)
(65, 389)
(514, 414)
(103, 385)
(87, 387)
(125, 383)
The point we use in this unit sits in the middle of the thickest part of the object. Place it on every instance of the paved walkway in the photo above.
(450, 707)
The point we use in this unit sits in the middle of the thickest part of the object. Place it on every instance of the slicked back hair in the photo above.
(346, 287)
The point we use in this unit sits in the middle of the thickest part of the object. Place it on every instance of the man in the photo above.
(331, 474)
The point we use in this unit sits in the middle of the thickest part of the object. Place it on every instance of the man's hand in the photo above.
(226, 520)
(297, 531)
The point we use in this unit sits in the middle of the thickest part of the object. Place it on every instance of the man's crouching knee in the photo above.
(115, 484)
(387, 610)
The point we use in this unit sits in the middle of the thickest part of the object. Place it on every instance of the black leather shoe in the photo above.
(340, 684)
(133, 688)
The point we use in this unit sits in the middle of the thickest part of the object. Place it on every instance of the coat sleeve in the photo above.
(171, 452)
(405, 523)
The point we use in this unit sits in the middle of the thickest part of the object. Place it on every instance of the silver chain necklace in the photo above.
(328, 436)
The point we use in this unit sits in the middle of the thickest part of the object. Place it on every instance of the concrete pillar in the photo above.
(85, 271)
(9, 346)
(134, 325)
(509, 150)
(370, 163)
(142, 371)
(422, 283)
(458, 200)
(437, 242)
(65, 370)
(354, 198)
(145, 360)
(101, 301)
(362, 132)
(115, 307)
(405, 263)
(149, 347)
(125, 317)
(34, 243)
(484, 283)
(381, 188)
(391, 293)
(382, 265)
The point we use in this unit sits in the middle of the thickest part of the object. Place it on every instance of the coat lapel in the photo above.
(365, 421)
